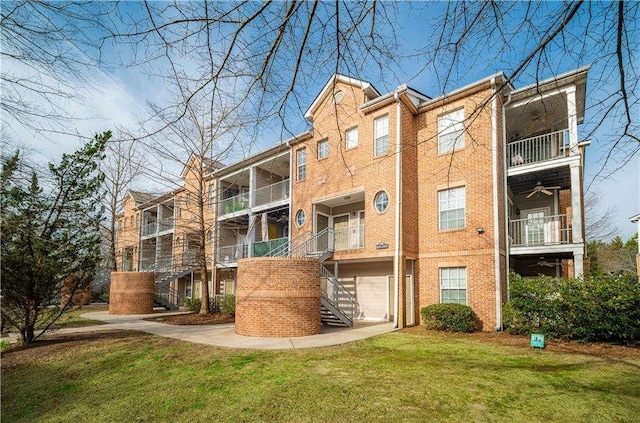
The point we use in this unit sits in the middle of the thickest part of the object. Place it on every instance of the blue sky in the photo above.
(117, 97)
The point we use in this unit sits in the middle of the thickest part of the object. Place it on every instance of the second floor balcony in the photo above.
(349, 237)
(538, 149)
(260, 197)
(540, 231)
(158, 226)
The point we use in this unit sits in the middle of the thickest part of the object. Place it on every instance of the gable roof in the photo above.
(365, 86)
(210, 165)
(141, 197)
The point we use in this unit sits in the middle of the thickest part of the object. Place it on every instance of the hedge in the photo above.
(450, 317)
(603, 308)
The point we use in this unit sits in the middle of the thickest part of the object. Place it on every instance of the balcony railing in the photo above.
(260, 249)
(234, 204)
(157, 226)
(349, 238)
(538, 149)
(232, 253)
(271, 193)
(540, 231)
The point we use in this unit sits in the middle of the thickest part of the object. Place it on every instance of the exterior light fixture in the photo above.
(480, 230)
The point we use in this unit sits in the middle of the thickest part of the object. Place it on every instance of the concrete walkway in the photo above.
(224, 336)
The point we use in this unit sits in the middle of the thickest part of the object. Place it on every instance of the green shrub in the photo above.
(450, 317)
(193, 304)
(228, 304)
(603, 308)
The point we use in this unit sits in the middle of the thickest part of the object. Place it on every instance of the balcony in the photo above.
(349, 238)
(260, 249)
(538, 149)
(158, 226)
(234, 204)
(540, 231)
(232, 253)
(271, 193)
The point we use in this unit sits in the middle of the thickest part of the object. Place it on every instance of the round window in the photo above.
(337, 97)
(381, 202)
(300, 217)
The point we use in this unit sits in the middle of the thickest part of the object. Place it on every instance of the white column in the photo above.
(578, 260)
(252, 186)
(576, 203)
(572, 119)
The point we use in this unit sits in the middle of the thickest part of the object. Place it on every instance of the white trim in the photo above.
(548, 249)
(396, 246)
(363, 85)
(496, 220)
(537, 167)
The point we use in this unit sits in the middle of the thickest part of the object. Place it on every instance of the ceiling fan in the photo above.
(544, 263)
(540, 188)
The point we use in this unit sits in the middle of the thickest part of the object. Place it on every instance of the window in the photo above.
(381, 135)
(323, 149)
(453, 285)
(351, 138)
(212, 194)
(300, 218)
(381, 202)
(451, 132)
(451, 208)
(302, 164)
(188, 200)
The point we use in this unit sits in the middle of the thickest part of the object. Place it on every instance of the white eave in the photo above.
(635, 218)
(365, 86)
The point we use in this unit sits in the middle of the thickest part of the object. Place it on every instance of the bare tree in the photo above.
(47, 48)
(121, 166)
(599, 224)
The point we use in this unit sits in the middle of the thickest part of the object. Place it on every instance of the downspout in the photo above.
(496, 218)
(506, 187)
(396, 243)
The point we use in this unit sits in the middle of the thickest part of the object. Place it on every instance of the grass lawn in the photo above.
(121, 376)
(72, 319)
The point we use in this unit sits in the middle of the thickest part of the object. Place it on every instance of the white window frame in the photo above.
(381, 136)
(301, 164)
(457, 283)
(323, 149)
(351, 141)
(450, 200)
(301, 215)
(451, 132)
(375, 201)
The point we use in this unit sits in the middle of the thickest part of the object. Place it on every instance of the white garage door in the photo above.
(372, 296)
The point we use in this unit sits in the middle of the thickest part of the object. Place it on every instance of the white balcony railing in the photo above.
(540, 231)
(161, 225)
(538, 149)
(234, 204)
(349, 238)
(271, 193)
(232, 253)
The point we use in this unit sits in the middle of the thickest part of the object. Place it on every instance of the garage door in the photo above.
(372, 296)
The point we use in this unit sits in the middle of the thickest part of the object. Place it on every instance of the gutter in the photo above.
(506, 187)
(396, 249)
(496, 209)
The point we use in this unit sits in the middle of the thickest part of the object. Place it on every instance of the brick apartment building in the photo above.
(405, 200)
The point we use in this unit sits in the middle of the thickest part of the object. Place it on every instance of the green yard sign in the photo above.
(537, 340)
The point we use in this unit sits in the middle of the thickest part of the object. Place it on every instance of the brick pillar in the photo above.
(131, 293)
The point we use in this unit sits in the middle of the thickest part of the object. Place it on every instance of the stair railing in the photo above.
(337, 295)
(305, 245)
(168, 294)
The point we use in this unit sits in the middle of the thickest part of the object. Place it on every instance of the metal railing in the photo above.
(306, 244)
(271, 193)
(537, 231)
(349, 238)
(161, 225)
(232, 253)
(538, 149)
(234, 204)
(261, 249)
(337, 295)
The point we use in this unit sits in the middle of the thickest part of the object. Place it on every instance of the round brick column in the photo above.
(131, 293)
(278, 297)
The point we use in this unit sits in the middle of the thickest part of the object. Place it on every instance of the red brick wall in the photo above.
(131, 293)
(278, 297)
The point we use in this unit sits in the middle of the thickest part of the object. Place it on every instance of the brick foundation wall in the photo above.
(131, 293)
(80, 297)
(278, 297)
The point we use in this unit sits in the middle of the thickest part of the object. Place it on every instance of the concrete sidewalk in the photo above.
(224, 336)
